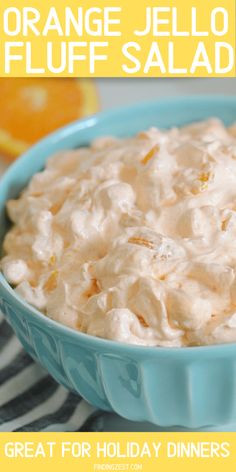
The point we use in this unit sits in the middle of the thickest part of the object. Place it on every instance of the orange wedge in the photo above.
(31, 108)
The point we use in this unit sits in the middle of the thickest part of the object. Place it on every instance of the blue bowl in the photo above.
(190, 387)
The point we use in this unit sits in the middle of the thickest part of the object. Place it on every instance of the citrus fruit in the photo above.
(31, 108)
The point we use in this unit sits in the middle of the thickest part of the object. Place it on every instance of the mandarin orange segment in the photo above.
(150, 155)
(141, 242)
(51, 282)
(31, 108)
(142, 321)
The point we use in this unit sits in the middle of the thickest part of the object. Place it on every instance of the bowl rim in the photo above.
(38, 317)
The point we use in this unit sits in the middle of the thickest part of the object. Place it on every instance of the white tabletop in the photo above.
(118, 92)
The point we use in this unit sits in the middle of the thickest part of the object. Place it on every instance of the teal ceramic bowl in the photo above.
(190, 387)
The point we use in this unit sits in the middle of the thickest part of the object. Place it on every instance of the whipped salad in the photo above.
(133, 240)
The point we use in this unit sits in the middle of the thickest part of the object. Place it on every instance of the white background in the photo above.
(118, 92)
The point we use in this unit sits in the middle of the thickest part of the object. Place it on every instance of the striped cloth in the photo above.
(30, 400)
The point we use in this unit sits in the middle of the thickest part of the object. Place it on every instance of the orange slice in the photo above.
(31, 108)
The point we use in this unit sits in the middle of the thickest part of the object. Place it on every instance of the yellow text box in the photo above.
(146, 452)
(117, 38)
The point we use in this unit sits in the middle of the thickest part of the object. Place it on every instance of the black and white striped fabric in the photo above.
(30, 400)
